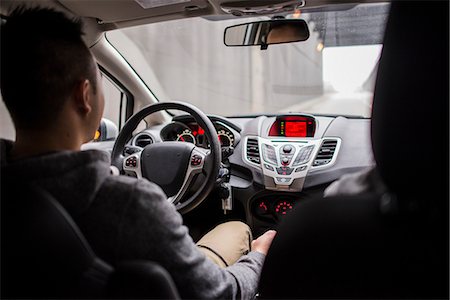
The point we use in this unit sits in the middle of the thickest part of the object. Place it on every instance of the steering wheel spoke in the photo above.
(196, 166)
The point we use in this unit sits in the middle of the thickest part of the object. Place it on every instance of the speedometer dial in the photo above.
(226, 138)
(186, 136)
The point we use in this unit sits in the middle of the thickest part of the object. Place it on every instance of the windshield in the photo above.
(332, 73)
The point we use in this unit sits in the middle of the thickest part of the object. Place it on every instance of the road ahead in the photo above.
(358, 104)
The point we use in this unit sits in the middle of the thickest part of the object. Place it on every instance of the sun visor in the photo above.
(157, 3)
(130, 11)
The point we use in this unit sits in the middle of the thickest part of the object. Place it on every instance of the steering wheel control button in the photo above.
(269, 167)
(284, 171)
(299, 169)
(196, 160)
(287, 149)
(131, 162)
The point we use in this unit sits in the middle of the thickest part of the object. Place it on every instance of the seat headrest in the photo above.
(410, 110)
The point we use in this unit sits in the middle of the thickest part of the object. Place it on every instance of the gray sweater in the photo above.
(126, 218)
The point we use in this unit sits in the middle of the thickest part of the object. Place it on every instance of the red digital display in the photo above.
(295, 129)
(196, 130)
(293, 126)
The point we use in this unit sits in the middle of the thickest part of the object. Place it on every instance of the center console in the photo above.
(286, 149)
(281, 151)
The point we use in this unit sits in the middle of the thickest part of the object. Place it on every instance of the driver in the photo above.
(52, 88)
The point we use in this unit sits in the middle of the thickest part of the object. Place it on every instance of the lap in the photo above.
(226, 243)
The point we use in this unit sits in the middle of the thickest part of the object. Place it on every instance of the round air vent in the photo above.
(142, 140)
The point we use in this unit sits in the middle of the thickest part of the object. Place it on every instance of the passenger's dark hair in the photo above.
(43, 58)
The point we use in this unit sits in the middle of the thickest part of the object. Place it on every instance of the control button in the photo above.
(302, 168)
(268, 167)
(285, 161)
(131, 162)
(320, 162)
(196, 160)
(287, 148)
(282, 180)
(303, 155)
(284, 170)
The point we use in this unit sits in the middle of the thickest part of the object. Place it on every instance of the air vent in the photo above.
(253, 151)
(326, 153)
(142, 140)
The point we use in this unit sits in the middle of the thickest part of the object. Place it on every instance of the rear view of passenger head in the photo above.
(43, 58)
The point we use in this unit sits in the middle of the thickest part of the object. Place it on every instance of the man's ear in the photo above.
(82, 97)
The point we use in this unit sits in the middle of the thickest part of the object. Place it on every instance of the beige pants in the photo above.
(226, 243)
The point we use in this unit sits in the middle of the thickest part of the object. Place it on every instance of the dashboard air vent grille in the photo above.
(143, 140)
(253, 151)
(326, 153)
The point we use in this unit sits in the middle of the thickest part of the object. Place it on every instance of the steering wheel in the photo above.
(172, 165)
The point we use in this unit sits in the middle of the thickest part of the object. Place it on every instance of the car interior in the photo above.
(236, 123)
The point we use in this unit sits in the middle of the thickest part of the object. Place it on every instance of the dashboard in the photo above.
(275, 161)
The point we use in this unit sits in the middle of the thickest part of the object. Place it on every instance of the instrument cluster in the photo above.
(192, 133)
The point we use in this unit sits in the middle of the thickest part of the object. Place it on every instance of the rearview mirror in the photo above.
(264, 33)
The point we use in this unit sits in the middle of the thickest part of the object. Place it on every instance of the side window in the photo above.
(115, 102)
(7, 130)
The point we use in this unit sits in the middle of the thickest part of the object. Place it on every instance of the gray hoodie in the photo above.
(126, 218)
